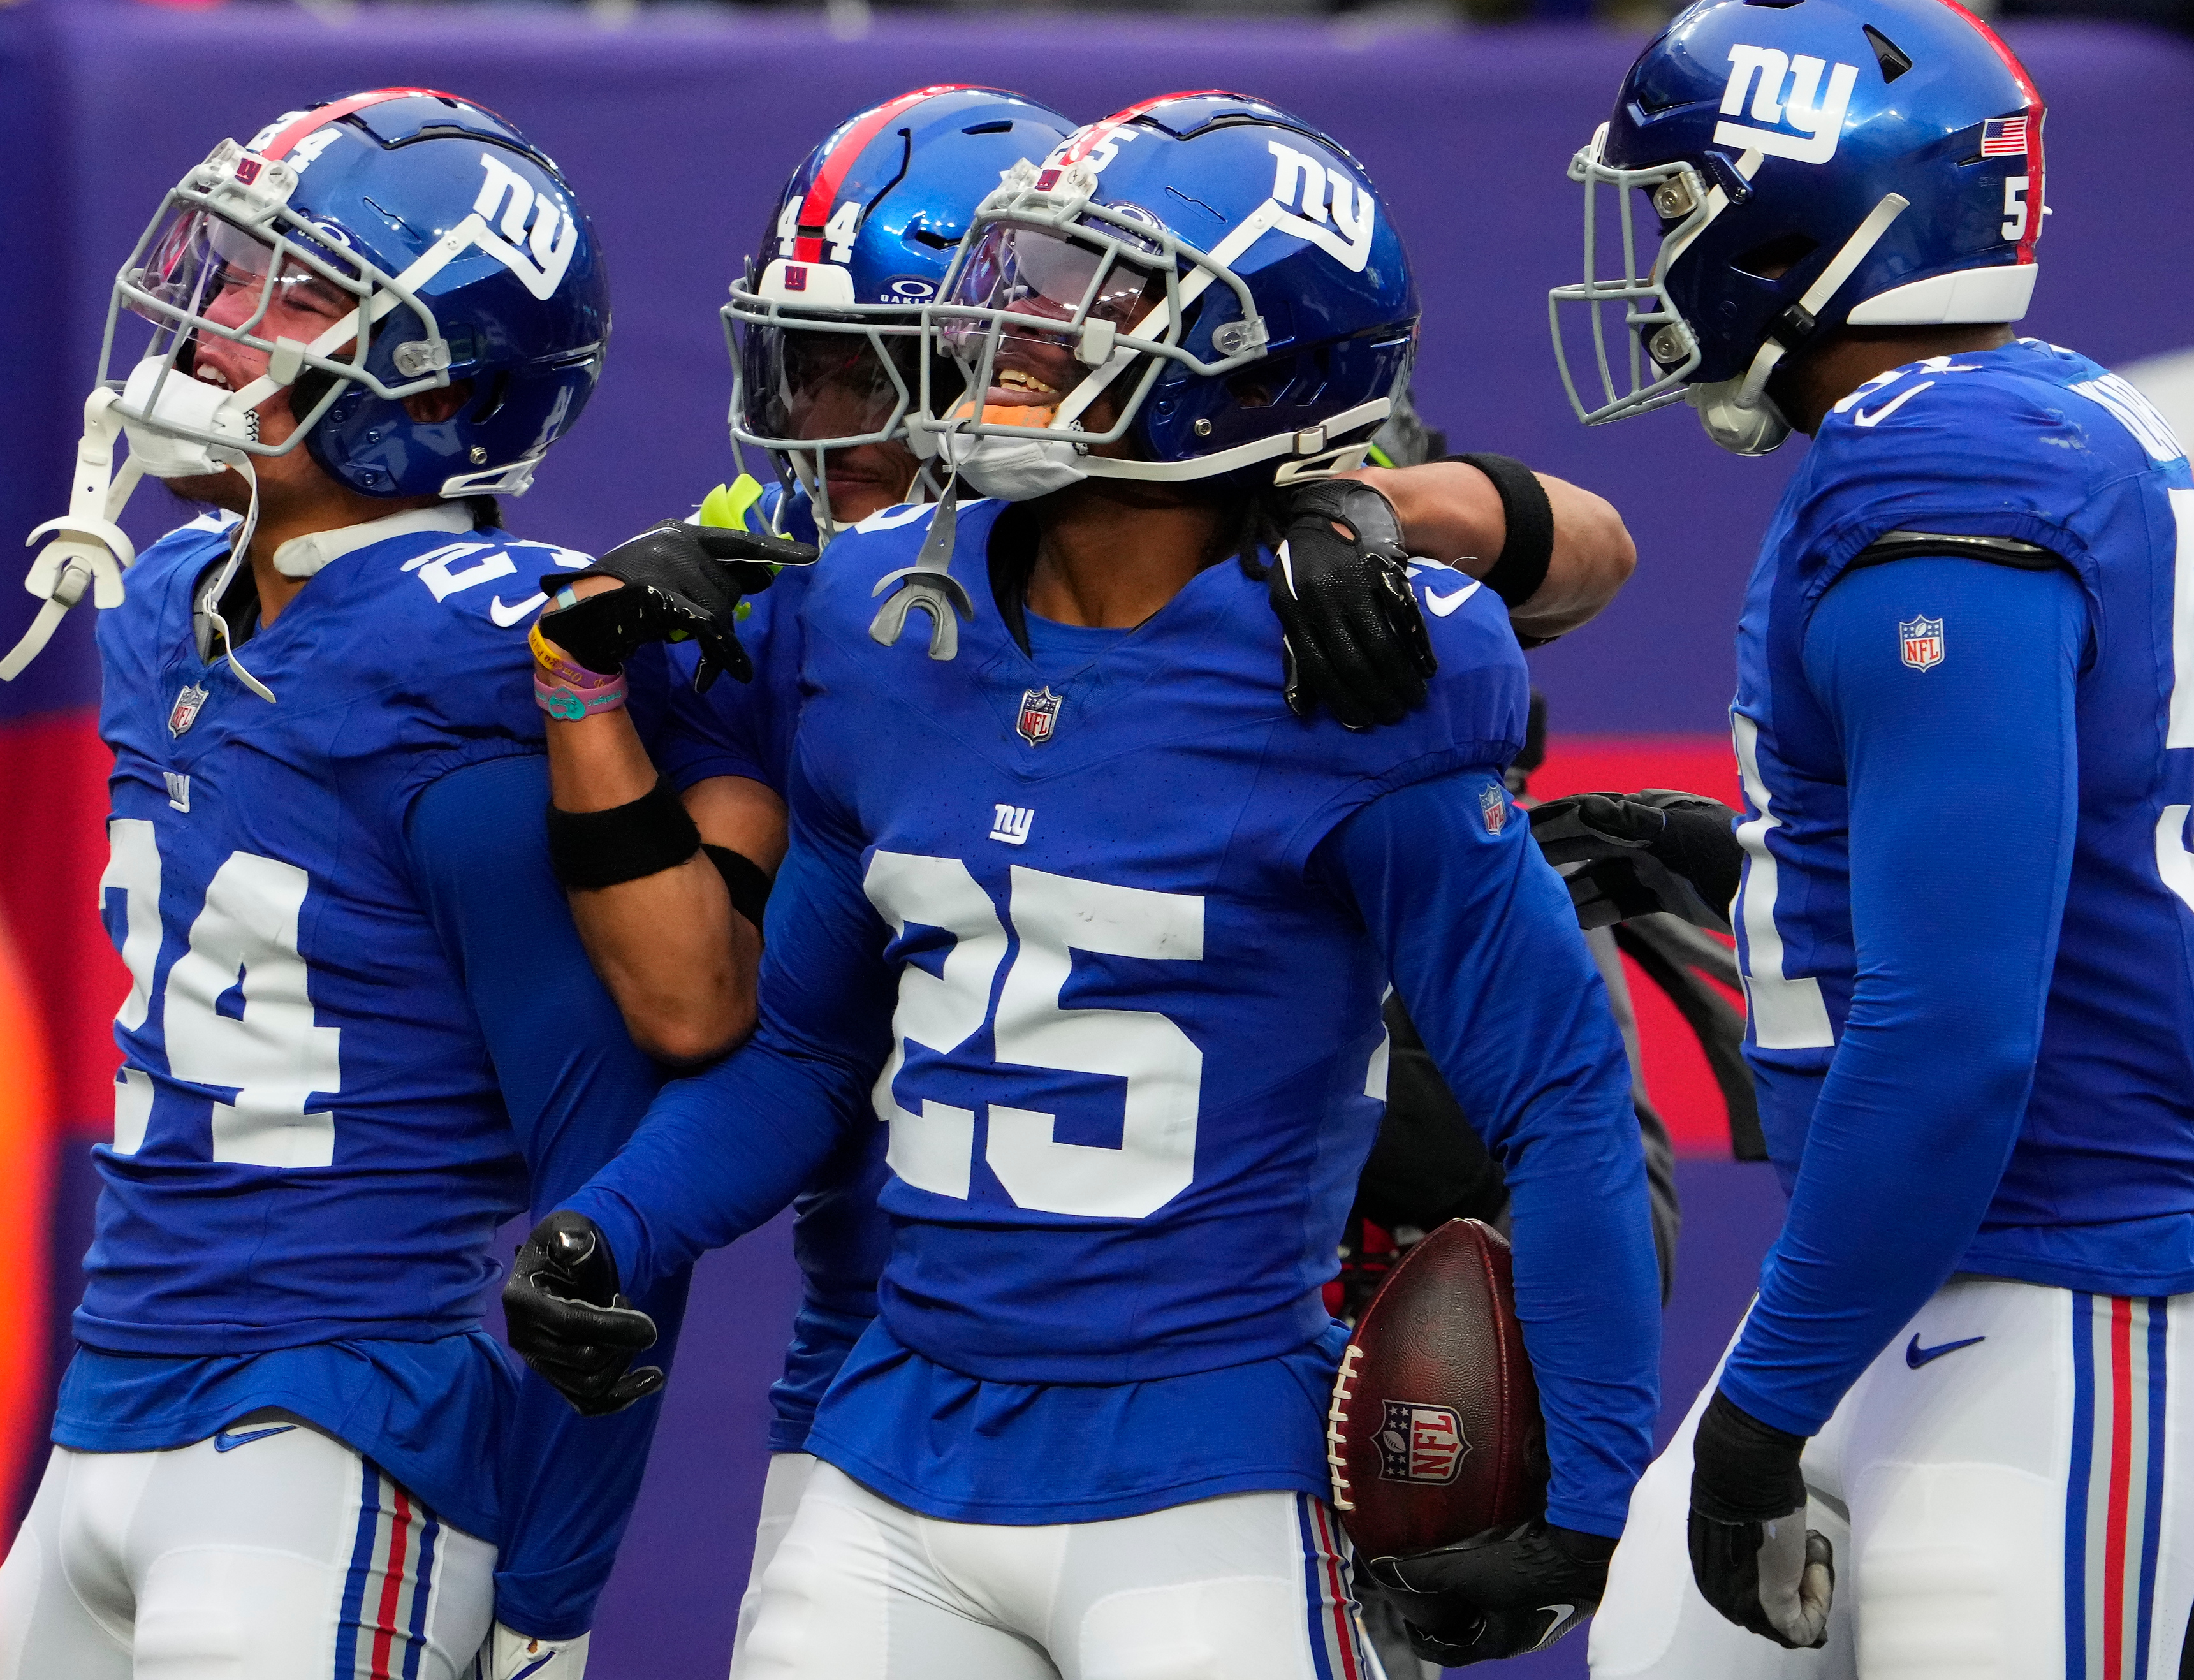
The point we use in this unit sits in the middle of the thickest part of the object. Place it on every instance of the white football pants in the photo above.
(781, 1489)
(1250, 1586)
(270, 1551)
(2010, 1491)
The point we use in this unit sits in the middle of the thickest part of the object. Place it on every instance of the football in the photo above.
(1434, 1434)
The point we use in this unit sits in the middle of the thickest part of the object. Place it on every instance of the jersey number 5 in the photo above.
(1056, 916)
(235, 1012)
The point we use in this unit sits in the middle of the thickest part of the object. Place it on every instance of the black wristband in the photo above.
(1745, 1471)
(746, 880)
(591, 849)
(1521, 567)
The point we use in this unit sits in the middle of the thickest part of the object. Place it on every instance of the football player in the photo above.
(360, 1032)
(1947, 1438)
(1087, 1421)
(824, 388)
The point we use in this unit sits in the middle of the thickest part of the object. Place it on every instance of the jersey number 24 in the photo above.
(242, 942)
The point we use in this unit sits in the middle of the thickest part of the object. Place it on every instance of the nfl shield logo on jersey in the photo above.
(1922, 642)
(186, 710)
(1495, 807)
(1421, 1443)
(1039, 716)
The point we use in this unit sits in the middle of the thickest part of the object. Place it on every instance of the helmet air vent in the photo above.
(1894, 62)
(1772, 259)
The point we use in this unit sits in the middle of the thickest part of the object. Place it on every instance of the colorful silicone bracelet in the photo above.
(562, 700)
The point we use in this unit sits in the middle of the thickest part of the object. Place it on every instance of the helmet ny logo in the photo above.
(554, 236)
(1921, 640)
(1341, 227)
(1761, 71)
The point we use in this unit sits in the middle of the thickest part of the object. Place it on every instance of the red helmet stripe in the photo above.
(320, 118)
(823, 195)
(1081, 148)
(2035, 114)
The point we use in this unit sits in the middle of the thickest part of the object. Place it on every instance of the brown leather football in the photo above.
(1434, 1433)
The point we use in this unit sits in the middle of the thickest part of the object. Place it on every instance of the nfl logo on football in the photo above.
(1421, 1443)
(1039, 716)
(1922, 640)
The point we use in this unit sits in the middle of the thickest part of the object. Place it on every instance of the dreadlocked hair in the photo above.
(1253, 519)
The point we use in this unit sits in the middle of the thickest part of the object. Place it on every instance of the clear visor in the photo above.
(821, 384)
(204, 273)
(1657, 213)
(1015, 322)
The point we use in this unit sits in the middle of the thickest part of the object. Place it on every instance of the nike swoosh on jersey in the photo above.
(228, 1441)
(1916, 1355)
(1443, 604)
(1861, 417)
(508, 615)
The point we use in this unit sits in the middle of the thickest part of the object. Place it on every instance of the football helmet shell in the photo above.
(1872, 162)
(1226, 276)
(462, 251)
(825, 327)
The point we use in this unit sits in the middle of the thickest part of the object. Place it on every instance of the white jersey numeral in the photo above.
(266, 1048)
(1786, 1014)
(1054, 916)
(934, 1149)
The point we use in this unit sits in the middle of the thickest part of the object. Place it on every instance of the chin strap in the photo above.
(88, 550)
(210, 611)
(929, 584)
(1738, 413)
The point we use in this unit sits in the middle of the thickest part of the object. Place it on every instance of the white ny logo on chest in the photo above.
(1011, 825)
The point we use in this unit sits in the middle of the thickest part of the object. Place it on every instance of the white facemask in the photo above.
(184, 401)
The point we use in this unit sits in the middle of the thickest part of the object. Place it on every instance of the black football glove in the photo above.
(680, 581)
(1752, 1555)
(1502, 1593)
(1632, 854)
(566, 1318)
(1355, 641)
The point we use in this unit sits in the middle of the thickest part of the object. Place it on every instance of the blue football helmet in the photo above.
(460, 253)
(1201, 278)
(824, 328)
(369, 250)
(1810, 164)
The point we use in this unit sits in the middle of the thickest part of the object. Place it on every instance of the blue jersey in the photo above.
(1968, 917)
(838, 1233)
(328, 958)
(1099, 930)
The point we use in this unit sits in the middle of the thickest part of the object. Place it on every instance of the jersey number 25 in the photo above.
(1054, 915)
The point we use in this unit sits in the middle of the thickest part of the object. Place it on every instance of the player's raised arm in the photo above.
(1544, 1076)
(723, 1152)
(668, 892)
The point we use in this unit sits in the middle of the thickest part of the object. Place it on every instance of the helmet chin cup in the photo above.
(1738, 414)
(162, 407)
(1011, 469)
(1742, 425)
